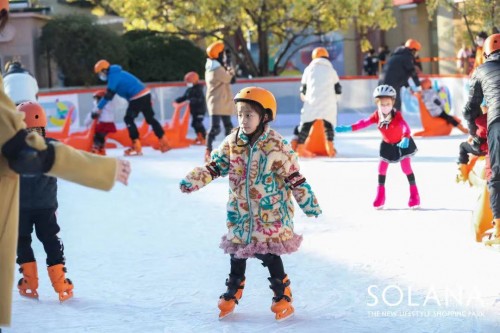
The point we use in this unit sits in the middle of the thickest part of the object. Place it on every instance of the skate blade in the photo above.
(224, 314)
(379, 207)
(64, 296)
(415, 207)
(32, 295)
(285, 314)
(132, 154)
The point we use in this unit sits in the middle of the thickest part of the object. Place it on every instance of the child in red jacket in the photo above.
(397, 145)
(475, 145)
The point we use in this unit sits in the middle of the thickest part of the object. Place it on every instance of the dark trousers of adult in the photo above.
(494, 152)
(142, 104)
(273, 263)
(215, 128)
(449, 119)
(197, 124)
(99, 139)
(45, 223)
(306, 128)
(397, 103)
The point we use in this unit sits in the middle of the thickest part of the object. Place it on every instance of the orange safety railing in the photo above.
(434, 63)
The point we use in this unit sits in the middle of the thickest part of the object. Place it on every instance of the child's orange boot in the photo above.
(228, 300)
(164, 145)
(282, 300)
(303, 152)
(200, 139)
(28, 284)
(62, 285)
(135, 150)
(463, 173)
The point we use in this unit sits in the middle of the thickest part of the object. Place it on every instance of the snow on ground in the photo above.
(145, 258)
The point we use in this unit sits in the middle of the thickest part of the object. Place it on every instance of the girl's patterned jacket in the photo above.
(262, 179)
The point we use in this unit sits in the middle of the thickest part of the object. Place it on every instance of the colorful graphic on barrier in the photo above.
(57, 109)
(409, 103)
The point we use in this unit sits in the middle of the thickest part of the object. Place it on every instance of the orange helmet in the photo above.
(192, 77)
(4, 4)
(491, 45)
(101, 65)
(99, 93)
(426, 84)
(260, 96)
(320, 52)
(214, 49)
(413, 44)
(4, 13)
(34, 114)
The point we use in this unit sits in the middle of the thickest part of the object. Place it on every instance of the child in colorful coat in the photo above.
(397, 145)
(263, 175)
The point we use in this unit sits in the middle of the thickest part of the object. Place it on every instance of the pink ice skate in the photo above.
(414, 201)
(380, 199)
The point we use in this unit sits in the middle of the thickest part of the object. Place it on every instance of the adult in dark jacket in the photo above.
(485, 84)
(400, 67)
(38, 206)
(197, 104)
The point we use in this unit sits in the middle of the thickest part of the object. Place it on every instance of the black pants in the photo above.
(494, 152)
(99, 139)
(306, 128)
(466, 149)
(142, 104)
(46, 228)
(271, 261)
(215, 128)
(197, 124)
(449, 119)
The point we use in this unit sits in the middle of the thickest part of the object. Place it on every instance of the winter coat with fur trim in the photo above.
(262, 180)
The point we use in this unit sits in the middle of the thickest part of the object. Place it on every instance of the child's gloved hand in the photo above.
(343, 128)
(314, 212)
(186, 187)
(404, 143)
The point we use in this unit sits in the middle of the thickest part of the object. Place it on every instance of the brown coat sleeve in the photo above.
(83, 168)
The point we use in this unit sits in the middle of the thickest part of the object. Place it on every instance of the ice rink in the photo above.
(145, 258)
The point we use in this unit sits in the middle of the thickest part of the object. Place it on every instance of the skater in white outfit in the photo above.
(320, 90)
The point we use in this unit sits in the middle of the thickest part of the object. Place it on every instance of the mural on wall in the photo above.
(409, 103)
(57, 109)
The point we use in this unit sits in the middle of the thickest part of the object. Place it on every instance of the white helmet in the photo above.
(384, 90)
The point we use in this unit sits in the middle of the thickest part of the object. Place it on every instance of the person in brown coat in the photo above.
(219, 95)
(23, 153)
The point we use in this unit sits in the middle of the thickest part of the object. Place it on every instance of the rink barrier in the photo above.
(356, 98)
